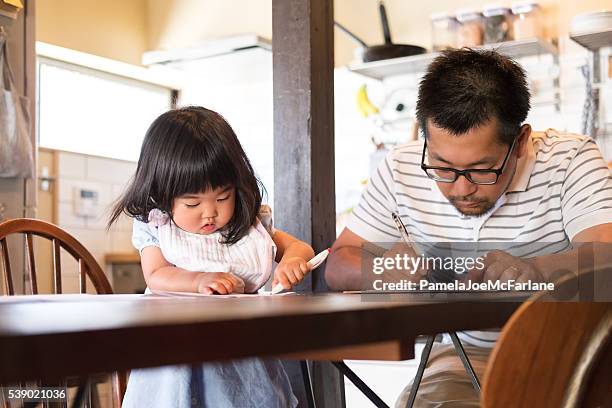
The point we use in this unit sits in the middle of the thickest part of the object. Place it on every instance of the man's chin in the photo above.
(473, 211)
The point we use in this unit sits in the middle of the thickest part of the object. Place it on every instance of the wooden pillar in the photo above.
(304, 188)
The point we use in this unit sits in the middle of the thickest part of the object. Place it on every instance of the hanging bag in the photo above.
(16, 156)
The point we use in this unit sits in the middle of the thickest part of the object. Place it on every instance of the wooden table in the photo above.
(51, 337)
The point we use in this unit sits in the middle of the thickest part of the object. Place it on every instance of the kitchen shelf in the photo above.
(418, 63)
(595, 40)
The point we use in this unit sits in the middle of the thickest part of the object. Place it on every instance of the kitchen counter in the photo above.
(122, 258)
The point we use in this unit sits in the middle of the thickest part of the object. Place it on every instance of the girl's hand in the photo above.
(290, 272)
(222, 283)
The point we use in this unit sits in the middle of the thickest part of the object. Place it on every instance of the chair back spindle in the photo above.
(8, 276)
(31, 264)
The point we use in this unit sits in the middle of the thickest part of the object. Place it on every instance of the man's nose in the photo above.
(462, 187)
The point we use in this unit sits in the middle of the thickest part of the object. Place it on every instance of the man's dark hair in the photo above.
(464, 89)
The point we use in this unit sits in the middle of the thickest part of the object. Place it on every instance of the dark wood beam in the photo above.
(304, 186)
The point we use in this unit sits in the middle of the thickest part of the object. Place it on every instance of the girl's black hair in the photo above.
(187, 151)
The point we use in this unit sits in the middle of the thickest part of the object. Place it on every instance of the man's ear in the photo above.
(523, 138)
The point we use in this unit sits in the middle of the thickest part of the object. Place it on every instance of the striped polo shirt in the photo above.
(561, 187)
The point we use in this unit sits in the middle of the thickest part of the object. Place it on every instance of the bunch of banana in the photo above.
(365, 106)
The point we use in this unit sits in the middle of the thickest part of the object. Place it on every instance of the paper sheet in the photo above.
(230, 296)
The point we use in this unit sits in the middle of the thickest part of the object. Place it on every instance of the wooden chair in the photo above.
(552, 354)
(87, 267)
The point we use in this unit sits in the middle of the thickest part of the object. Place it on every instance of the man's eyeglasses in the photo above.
(476, 176)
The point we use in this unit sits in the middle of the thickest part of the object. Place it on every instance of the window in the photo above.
(87, 111)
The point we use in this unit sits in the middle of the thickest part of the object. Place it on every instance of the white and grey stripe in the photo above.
(563, 188)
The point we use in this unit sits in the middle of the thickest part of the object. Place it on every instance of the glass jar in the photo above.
(527, 21)
(470, 30)
(443, 31)
(497, 24)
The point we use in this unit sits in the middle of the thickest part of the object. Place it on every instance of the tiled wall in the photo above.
(106, 176)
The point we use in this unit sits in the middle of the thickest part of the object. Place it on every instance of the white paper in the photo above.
(231, 295)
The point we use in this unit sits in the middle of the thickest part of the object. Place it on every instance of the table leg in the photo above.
(307, 384)
(4, 399)
(367, 391)
(466, 362)
(419, 374)
(82, 394)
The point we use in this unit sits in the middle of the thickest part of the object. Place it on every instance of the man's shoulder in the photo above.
(409, 152)
(556, 142)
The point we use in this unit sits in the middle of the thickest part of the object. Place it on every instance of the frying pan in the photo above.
(388, 49)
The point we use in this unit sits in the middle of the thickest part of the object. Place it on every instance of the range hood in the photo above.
(247, 43)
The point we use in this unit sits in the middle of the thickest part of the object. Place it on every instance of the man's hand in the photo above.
(222, 283)
(290, 272)
(503, 267)
(397, 275)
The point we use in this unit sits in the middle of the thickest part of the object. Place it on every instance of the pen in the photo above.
(312, 264)
(406, 237)
(401, 228)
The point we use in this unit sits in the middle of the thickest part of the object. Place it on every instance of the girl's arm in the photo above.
(292, 256)
(162, 275)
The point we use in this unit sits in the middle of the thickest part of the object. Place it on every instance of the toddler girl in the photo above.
(200, 227)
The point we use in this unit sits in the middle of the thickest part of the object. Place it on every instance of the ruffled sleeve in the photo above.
(265, 217)
(146, 234)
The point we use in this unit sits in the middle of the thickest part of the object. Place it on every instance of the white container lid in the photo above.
(464, 15)
(525, 7)
(443, 15)
(495, 10)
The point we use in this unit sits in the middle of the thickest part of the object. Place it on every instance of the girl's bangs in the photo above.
(201, 170)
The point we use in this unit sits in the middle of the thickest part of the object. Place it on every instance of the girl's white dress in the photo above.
(244, 383)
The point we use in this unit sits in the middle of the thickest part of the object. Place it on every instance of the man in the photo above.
(481, 174)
